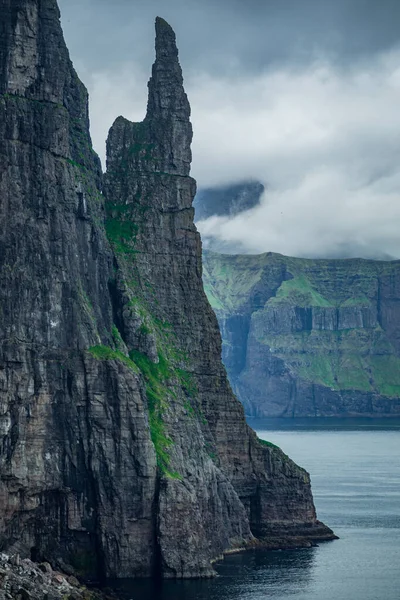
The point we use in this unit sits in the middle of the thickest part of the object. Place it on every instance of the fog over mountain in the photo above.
(302, 96)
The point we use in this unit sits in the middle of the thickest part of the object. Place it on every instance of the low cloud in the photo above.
(327, 143)
(323, 217)
(324, 138)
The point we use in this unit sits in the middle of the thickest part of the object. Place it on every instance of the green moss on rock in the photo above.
(156, 376)
(107, 353)
(121, 234)
(300, 292)
(268, 444)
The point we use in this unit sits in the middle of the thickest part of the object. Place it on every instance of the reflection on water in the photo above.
(248, 576)
(356, 483)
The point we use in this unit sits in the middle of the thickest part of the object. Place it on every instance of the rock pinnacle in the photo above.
(166, 48)
(168, 109)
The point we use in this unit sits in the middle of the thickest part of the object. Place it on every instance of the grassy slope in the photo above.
(228, 283)
(350, 359)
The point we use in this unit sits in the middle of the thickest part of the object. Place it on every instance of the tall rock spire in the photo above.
(234, 488)
(168, 109)
(167, 98)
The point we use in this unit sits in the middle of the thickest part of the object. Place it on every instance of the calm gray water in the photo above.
(356, 483)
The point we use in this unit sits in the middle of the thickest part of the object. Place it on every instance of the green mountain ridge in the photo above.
(308, 337)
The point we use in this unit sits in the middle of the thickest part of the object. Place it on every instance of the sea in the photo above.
(355, 473)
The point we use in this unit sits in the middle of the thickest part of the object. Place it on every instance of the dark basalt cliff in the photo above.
(124, 451)
(309, 338)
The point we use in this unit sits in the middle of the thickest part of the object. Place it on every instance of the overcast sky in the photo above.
(303, 95)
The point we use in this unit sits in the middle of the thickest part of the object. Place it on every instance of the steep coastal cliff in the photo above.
(308, 338)
(125, 452)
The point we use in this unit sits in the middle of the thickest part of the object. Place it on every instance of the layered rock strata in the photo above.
(124, 451)
(309, 338)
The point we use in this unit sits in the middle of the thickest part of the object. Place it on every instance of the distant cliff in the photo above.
(309, 337)
(124, 451)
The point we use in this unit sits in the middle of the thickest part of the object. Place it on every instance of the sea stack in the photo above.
(124, 451)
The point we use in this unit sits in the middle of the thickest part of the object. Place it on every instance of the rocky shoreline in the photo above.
(22, 579)
(282, 543)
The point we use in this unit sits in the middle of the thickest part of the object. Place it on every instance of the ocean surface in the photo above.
(355, 472)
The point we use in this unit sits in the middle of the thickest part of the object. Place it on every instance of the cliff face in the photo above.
(309, 337)
(124, 452)
(54, 269)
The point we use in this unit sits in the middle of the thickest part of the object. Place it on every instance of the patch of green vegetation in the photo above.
(144, 329)
(386, 374)
(174, 475)
(228, 280)
(75, 164)
(298, 291)
(117, 209)
(121, 235)
(212, 296)
(107, 353)
(187, 381)
(352, 373)
(188, 384)
(318, 369)
(353, 359)
(210, 449)
(118, 341)
(189, 408)
(155, 373)
(161, 378)
(162, 324)
(268, 444)
(156, 376)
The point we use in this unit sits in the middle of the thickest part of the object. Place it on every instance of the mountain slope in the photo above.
(309, 337)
